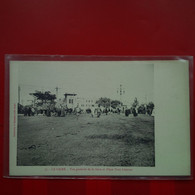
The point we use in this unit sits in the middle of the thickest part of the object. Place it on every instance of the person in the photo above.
(48, 111)
(26, 111)
(66, 109)
(134, 112)
(98, 111)
(29, 111)
(106, 111)
(33, 111)
(118, 110)
(127, 112)
(62, 111)
(77, 110)
(92, 111)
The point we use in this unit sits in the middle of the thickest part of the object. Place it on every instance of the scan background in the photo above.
(94, 28)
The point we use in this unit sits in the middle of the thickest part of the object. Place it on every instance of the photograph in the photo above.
(85, 113)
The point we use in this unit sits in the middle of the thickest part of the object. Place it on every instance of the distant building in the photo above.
(72, 100)
(86, 103)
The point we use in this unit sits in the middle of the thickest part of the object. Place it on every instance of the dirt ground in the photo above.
(111, 140)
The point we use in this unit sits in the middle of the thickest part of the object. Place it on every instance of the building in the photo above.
(86, 103)
(69, 100)
(72, 100)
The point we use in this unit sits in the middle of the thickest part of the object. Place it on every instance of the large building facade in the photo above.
(72, 100)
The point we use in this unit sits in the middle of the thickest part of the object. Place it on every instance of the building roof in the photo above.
(70, 94)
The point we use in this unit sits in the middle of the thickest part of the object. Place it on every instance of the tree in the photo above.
(115, 104)
(44, 96)
(105, 102)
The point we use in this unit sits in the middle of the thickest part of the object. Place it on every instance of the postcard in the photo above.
(99, 118)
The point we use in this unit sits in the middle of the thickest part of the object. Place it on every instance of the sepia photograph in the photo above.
(85, 113)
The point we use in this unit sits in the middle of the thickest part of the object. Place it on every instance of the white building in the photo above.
(72, 100)
(86, 103)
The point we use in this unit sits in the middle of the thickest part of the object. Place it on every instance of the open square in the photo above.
(111, 140)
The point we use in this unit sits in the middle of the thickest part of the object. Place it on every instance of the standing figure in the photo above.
(26, 111)
(77, 110)
(62, 111)
(48, 111)
(118, 110)
(33, 111)
(134, 111)
(98, 111)
(29, 111)
(92, 111)
(106, 111)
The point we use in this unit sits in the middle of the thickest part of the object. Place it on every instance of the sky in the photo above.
(88, 79)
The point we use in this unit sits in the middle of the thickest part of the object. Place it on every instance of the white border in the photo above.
(172, 127)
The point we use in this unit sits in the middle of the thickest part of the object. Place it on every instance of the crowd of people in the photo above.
(94, 111)
(61, 110)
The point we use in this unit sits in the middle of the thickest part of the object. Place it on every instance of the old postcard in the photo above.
(99, 118)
